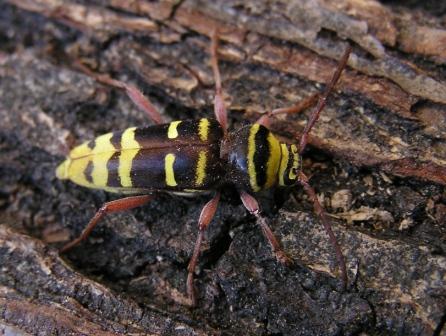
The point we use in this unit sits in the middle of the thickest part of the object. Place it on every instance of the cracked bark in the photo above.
(377, 158)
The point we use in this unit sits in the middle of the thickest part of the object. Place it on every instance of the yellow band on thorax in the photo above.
(272, 166)
(293, 171)
(251, 151)
(283, 163)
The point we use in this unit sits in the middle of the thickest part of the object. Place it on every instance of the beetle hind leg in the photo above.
(109, 207)
(207, 213)
(132, 92)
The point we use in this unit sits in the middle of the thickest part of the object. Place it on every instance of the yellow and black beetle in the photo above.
(192, 157)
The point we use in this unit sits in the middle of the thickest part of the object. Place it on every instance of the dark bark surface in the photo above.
(377, 160)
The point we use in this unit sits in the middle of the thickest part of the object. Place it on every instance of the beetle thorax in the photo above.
(258, 161)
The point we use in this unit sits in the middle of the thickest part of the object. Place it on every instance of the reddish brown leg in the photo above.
(296, 108)
(323, 99)
(206, 216)
(219, 106)
(303, 180)
(134, 94)
(109, 207)
(252, 206)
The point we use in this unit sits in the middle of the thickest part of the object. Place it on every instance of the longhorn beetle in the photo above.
(194, 156)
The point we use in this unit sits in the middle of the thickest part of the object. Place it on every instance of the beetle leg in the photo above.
(303, 180)
(207, 213)
(109, 207)
(323, 99)
(296, 108)
(252, 206)
(132, 92)
(219, 105)
(143, 103)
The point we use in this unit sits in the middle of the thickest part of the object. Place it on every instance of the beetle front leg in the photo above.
(294, 109)
(252, 206)
(207, 213)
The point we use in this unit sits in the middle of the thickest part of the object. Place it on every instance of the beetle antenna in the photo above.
(323, 99)
(303, 180)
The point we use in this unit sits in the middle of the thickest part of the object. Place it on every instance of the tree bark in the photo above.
(377, 159)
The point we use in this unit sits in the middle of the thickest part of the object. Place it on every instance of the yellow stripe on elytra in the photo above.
(76, 169)
(200, 172)
(129, 149)
(283, 163)
(292, 175)
(74, 166)
(62, 170)
(101, 153)
(251, 150)
(168, 167)
(203, 129)
(272, 166)
(80, 151)
(172, 131)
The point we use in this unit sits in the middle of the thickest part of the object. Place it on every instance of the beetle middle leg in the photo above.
(219, 105)
(207, 213)
(122, 204)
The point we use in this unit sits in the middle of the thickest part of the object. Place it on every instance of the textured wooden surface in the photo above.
(377, 159)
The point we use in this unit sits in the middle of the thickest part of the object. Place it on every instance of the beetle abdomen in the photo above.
(175, 156)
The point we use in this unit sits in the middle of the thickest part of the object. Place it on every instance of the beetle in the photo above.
(196, 156)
